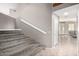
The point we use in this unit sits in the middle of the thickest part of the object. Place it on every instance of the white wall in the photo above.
(40, 15)
(55, 19)
(6, 22)
(5, 7)
(78, 28)
(68, 19)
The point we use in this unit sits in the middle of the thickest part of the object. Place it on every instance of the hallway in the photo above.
(68, 48)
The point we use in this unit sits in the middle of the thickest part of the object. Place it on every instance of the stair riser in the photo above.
(16, 43)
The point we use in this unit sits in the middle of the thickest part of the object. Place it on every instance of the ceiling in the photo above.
(68, 12)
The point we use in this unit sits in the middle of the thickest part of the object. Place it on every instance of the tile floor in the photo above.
(68, 47)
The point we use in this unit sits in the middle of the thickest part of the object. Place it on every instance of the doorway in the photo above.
(68, 30)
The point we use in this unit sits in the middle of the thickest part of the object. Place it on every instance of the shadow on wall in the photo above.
(6, 22)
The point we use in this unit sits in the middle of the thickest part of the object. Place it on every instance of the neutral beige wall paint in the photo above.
(6, 22)
(40, 15)
(5, 7)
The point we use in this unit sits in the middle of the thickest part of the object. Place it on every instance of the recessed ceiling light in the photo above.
(66, 13)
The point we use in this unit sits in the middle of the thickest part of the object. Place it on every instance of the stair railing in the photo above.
(23, 20)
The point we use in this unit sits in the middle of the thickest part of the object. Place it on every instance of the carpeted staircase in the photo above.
(15, 43)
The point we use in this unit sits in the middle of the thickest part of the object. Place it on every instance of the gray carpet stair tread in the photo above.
(17, 44)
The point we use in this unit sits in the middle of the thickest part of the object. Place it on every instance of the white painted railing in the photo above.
(27, 23)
